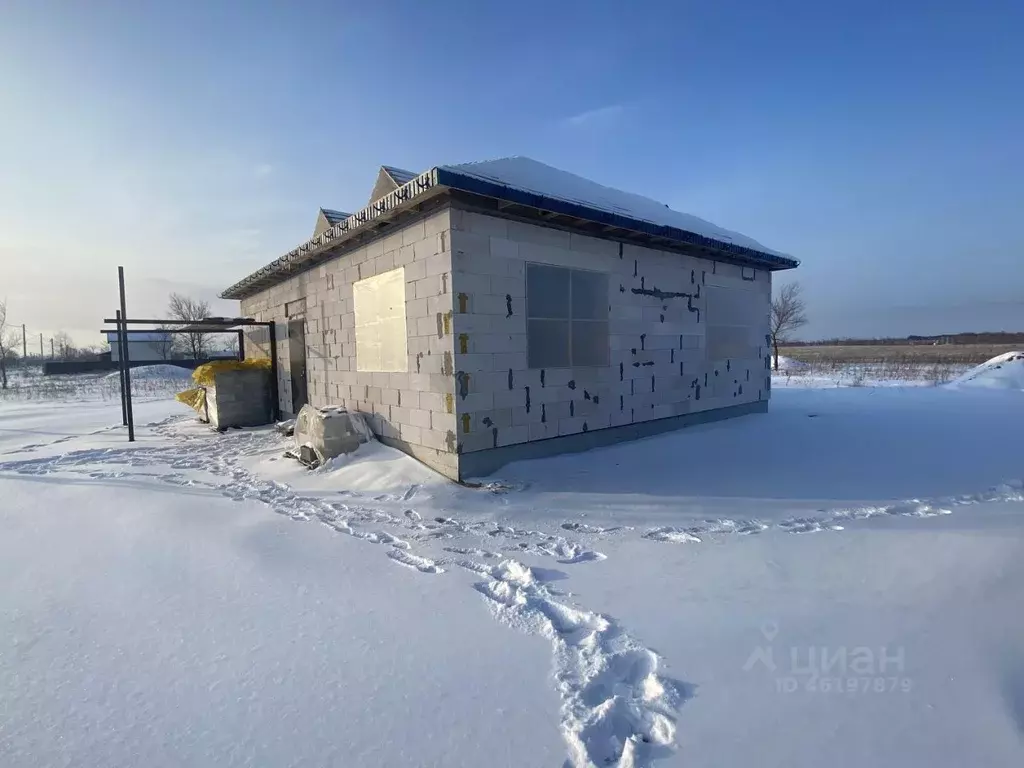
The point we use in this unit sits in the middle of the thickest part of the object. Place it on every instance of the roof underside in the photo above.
(561, 198)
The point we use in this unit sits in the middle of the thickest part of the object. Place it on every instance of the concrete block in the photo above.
(417, 417)
(475, 401)
(443, 422)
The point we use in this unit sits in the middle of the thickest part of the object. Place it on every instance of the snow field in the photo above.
(630, 587)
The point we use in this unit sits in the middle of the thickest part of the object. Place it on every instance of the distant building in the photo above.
(143, 346)
(495, 311)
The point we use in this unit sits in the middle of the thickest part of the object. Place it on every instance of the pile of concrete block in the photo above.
(323, 433)
(239, 398)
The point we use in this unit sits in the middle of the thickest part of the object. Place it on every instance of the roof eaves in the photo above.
(298, 257)
(476, 185)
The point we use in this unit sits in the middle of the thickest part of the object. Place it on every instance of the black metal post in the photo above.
(126, 363)
(119, 340)
(275, 405)
(241, 344)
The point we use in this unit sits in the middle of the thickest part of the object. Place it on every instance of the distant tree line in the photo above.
(987, 337)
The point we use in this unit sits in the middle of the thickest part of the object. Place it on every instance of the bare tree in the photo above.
(65, 345)
(4, 345)
(163, 342)
(231, 345)
(186, 310)
(788, 313)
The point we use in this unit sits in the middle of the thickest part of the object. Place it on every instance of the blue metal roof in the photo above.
(399, 175)
(333, 217)
(530, 184)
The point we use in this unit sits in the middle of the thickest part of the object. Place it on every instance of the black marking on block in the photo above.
(527, 399)
(488, 422)
(586, 395)
(643, 341)
(449, 441)
(741, 389)
(728, 365)
(542, 378)
(632, 388)
(622, 288)
(634, 267)
(510, 378)
(693, 276)
(638, 364)
(697, 393)
(572, 384)
(620, 250)
(572, 408)
(705, 378)
(652, 383)
(748, 374)
(419, 359)
(622, 402)
(463, 379)
(399, 398)
(659, 294)
(662, 318)
(633, 350)
(494, 434)
(584, 426)
(621, 371)
(689, 306)
(680, 367)
(508, 305)
(440, 326)
(596, 399)
(543, 413)
(642, 279)
(714, 267)
(716, 373)
(672, 356)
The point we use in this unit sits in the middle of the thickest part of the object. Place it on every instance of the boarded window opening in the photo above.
(379, 308)
(734, 316)
(566, 316)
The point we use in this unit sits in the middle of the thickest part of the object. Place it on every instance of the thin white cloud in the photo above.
(596, 117)
(262, 170)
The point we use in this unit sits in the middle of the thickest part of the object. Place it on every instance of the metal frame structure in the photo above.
(208, 325)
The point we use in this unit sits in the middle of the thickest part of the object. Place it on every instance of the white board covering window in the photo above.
(733, 319)
(566, 317)
(379, 307)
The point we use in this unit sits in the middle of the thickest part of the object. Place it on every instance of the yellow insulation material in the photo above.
(196, 398)
(204, 374)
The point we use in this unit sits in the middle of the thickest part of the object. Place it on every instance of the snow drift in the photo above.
(1004, 371)
(161, 371)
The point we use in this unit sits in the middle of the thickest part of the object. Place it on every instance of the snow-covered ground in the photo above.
(639, 605)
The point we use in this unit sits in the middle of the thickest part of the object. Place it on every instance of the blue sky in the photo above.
(880, 143)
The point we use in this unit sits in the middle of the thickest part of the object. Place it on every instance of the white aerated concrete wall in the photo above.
(670, 356)
(687, 335)
(415, 407)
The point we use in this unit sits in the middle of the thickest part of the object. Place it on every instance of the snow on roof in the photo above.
(399, 175)
(529, 184)
(333, 216)
(532, 176)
